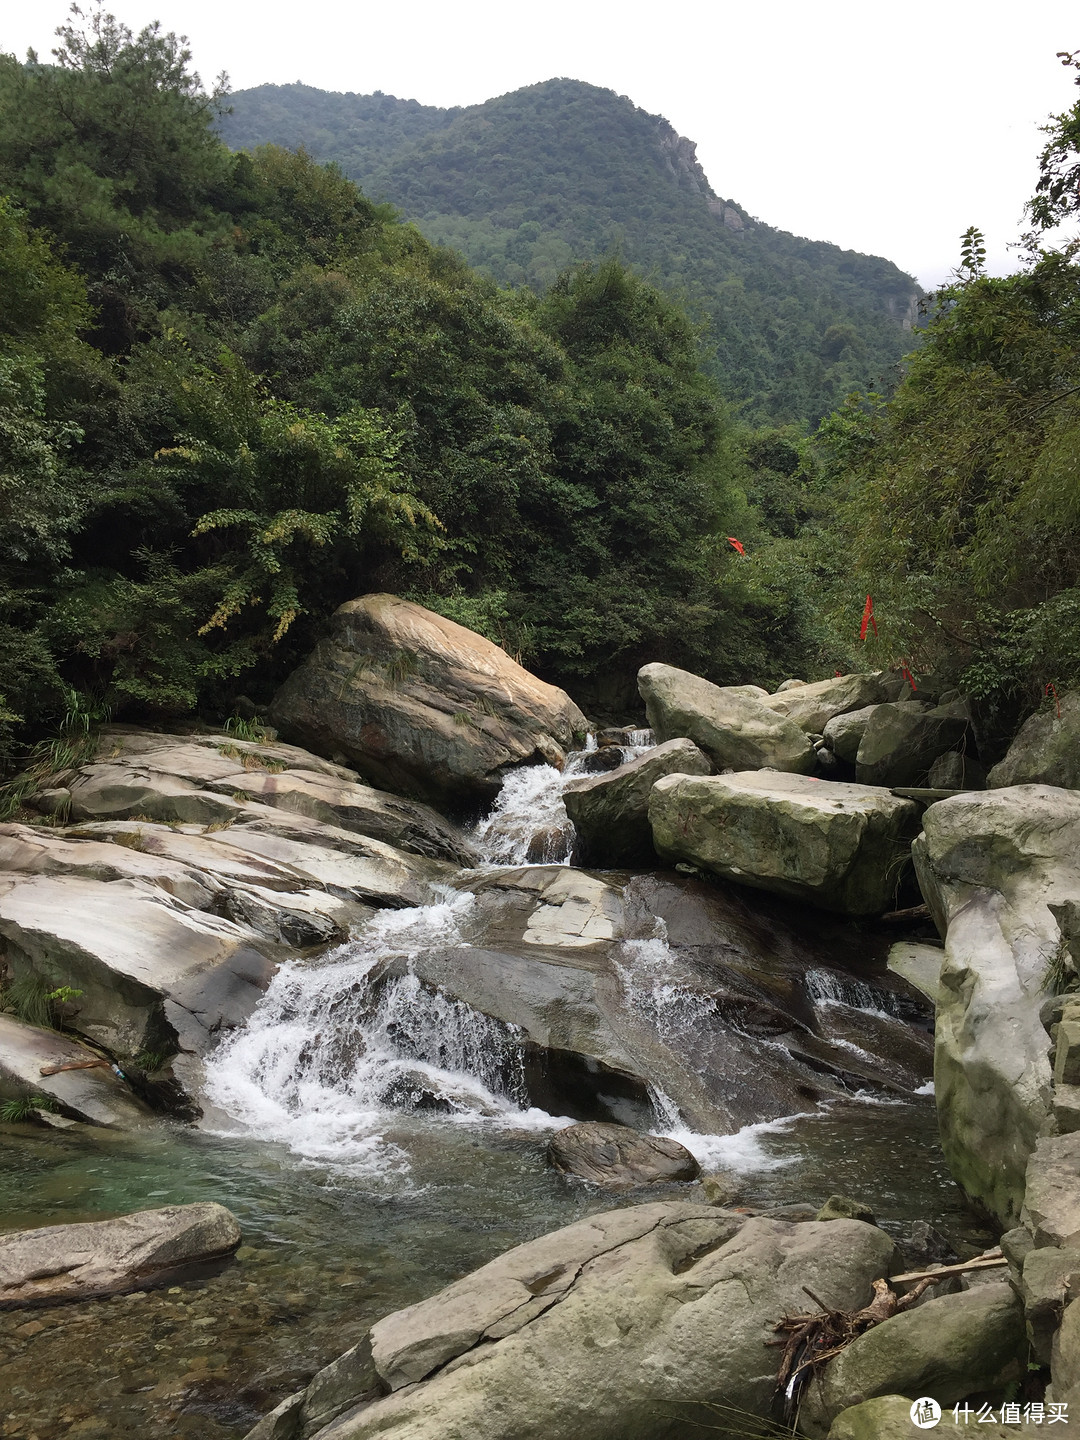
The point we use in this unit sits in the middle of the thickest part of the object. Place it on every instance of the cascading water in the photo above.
(825, 987)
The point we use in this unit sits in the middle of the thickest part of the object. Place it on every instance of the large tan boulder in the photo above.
(611, 812)
(620, 1327)
(422, 706)
(841, 847)
(1000, 870)
(109, 1257)
(813, 706)
(736, 730)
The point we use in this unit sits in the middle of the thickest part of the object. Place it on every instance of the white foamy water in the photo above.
(335, 1052)
(528, 824)
(824, 987)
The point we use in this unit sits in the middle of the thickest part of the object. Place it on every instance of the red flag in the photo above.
(907, 675)
(867, 618)
(1051, 689)
(737, 544)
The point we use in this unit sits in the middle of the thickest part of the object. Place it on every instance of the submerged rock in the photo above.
(421, 705)
(1046, 751)
(1000, 870)
(619, 1158)
(109, 1257)
(735, 730)
(607, 1328)
(839, 846)
(611, 812)
(840, 1207)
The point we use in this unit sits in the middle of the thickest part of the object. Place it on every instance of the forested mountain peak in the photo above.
(562, 172)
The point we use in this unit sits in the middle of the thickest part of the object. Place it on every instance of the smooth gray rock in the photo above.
(996, 868)
(421, 705)
(841, 847)
(735, 730)
(619, 1158)
(902, 741)
(956, 771)
(813, 707)
(1046, 750)
(95, 1096)
(947, 1348)
(843, 733)
(919, 964)
(609, 1328)
(109, 1257)
(889, 1418)
(611, 812)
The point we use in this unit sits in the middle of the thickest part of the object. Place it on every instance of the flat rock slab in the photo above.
(841, 847)
(736, 730)
(619, 1158)
(606, 1329)
(611, 812)
(108, 1257)
(96, 1096)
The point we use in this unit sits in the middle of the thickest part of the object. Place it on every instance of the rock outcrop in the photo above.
(611, 812)
(422, 706)
(948, 1348)
(109, 1257)
(619, 1158)
(91, 1093)
(838, 846)
(813, 706)
(735, 730)
(1001, 872)
(607, 1328)
(902, 740)
(1046, 751)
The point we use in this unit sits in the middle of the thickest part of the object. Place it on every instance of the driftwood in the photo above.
(981, 1262)
(916, 912)
(811, 1340)
(75, 1065)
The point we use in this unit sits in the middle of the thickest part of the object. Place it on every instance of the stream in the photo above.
(377, 1139)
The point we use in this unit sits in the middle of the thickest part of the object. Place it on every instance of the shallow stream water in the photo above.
(373, 1146)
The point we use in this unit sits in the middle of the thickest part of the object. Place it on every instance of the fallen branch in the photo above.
(74, 1065)
(981, 1262)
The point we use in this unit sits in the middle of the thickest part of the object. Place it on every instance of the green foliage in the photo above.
(536, 181)
(26, 1109)
(1057, 194)
(29, 996)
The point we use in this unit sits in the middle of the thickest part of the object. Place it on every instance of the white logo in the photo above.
(925, 1413)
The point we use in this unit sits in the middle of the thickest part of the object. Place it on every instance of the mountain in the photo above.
(557, 173)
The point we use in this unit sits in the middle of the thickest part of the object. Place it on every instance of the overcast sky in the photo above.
(884, 129)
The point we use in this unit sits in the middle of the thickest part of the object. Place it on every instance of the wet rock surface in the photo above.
(619, 1158)
(421, 705)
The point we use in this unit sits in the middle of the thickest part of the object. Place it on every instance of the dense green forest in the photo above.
(236, 392)
(557, 173)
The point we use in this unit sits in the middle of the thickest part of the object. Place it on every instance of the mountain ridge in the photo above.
(553, 174)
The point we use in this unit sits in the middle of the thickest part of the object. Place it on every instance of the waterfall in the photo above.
(528, 824)
(825, 987)
(338, 1051)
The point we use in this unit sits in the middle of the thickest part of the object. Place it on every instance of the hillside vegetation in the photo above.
(563, 172)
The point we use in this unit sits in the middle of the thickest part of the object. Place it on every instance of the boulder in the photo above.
(901, 742)
(919, 964)
(421, 705)
(94, 1095)
(611, 812)
(840, 1207)
(1065, 1358)
(1052, 1192)
(619, 1158)
(843, 733)
(200, 779)
(110, 1257)
(1050, 1281)
(947, 1348)
(607, 1328)
(812, 707)
(1046, 750)
(735, 730)
(956, 771)
(838, 846)
(999, 870)
(889, 1418)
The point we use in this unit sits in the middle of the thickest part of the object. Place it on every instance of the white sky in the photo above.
(884, 129)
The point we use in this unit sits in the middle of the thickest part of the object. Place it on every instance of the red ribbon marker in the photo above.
(737, 544)
(867, 618)
(906, 673)
(1051, 689)
(838, 674)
